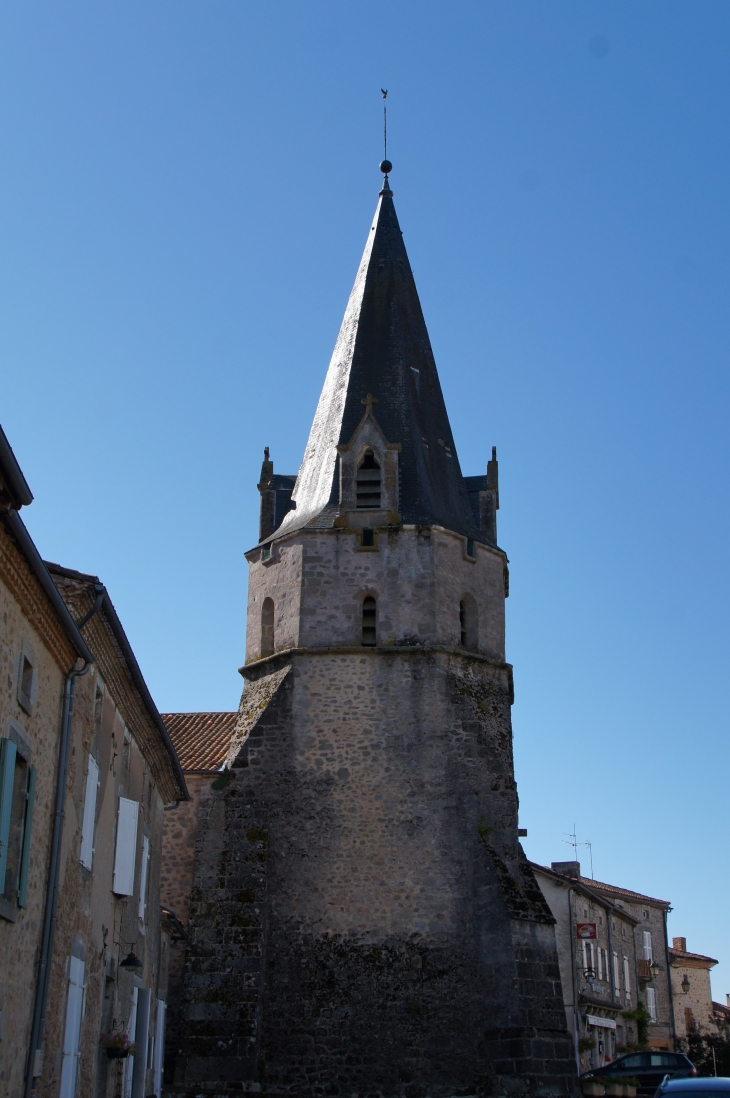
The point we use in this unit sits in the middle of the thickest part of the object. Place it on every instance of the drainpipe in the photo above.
(34, 1065)
(576, 1013)
(669, 979)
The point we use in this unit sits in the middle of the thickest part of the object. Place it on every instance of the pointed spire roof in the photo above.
(383, 349)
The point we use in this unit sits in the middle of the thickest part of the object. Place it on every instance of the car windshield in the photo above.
(631, 1061)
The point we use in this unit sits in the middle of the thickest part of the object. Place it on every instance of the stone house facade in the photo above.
(639, 954)
(361, 915)
(652, 948)
(202, 742)
(111, 939)
(40, 645)
(86, 769)
(598, 963)
(691, 991)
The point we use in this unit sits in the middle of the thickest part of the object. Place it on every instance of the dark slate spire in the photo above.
(383, 348)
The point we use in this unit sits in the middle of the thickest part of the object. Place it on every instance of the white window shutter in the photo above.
(616, 980)
(648, 952)
(72, 1028)
(143, 873)
(159, 1046)
(131, 1029)
(87, 827)
(627, 981)
(126, 851)
(651, 1002)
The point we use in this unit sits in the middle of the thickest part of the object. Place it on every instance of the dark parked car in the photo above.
(648, 1068)
(695, 1088)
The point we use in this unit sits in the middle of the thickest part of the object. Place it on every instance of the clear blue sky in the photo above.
(185, 192)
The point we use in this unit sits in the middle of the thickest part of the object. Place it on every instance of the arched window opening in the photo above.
(368, 622)
(468, 625)
(267, 627)
(368, 482)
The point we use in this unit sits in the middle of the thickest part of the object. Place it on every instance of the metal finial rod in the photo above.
(385, 123)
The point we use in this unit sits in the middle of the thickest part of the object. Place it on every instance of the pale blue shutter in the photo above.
(8, 752)
(27, 828)
(72, 1029)
(126, 851)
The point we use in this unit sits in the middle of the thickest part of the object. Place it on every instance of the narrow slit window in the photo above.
(267, 627)
(468, 623)
(25, 684)
(368, 538)
(368, 482)
(368, 622)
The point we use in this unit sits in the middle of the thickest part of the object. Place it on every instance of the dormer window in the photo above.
(368, 482)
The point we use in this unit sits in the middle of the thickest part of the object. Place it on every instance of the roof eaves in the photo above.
(601, 886)
(12, 474)
(683, 955)
(135, 672)
(27, 546)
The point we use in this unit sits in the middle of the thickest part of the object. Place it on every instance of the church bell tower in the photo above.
(363, 919)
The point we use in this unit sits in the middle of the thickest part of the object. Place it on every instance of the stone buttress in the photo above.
(363, 920)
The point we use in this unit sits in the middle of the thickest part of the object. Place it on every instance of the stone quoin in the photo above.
(362, 919)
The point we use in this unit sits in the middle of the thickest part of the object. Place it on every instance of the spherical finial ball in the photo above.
(386, 166)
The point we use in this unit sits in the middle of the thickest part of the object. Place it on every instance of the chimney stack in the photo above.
(680, 943)
(567, 869)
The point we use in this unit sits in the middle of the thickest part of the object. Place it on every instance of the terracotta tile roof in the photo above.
(683, 955)
(200, 739)
(614, 890)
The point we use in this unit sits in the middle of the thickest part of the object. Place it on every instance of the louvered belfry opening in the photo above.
(267, 627)
(368, 482)
(368, 622)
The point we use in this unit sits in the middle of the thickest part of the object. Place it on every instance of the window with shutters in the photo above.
(17, 797)
(627, 980)
(72, 1027)
(369, 638)
(616, 980)
(126, 847)
(647, 950)
(267, 627)
(88, 824)
(368, 482)
(651, 1003)
(159, 1046)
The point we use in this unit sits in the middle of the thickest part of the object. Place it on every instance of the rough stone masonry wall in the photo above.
(362, 920)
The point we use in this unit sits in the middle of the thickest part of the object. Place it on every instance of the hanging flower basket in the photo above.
(117, 1045)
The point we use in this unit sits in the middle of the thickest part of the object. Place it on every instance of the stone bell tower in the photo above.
(363, 919)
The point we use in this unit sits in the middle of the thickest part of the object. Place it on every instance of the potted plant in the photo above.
(118, 1045)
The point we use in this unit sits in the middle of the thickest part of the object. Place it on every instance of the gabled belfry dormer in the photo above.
(368, 475)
